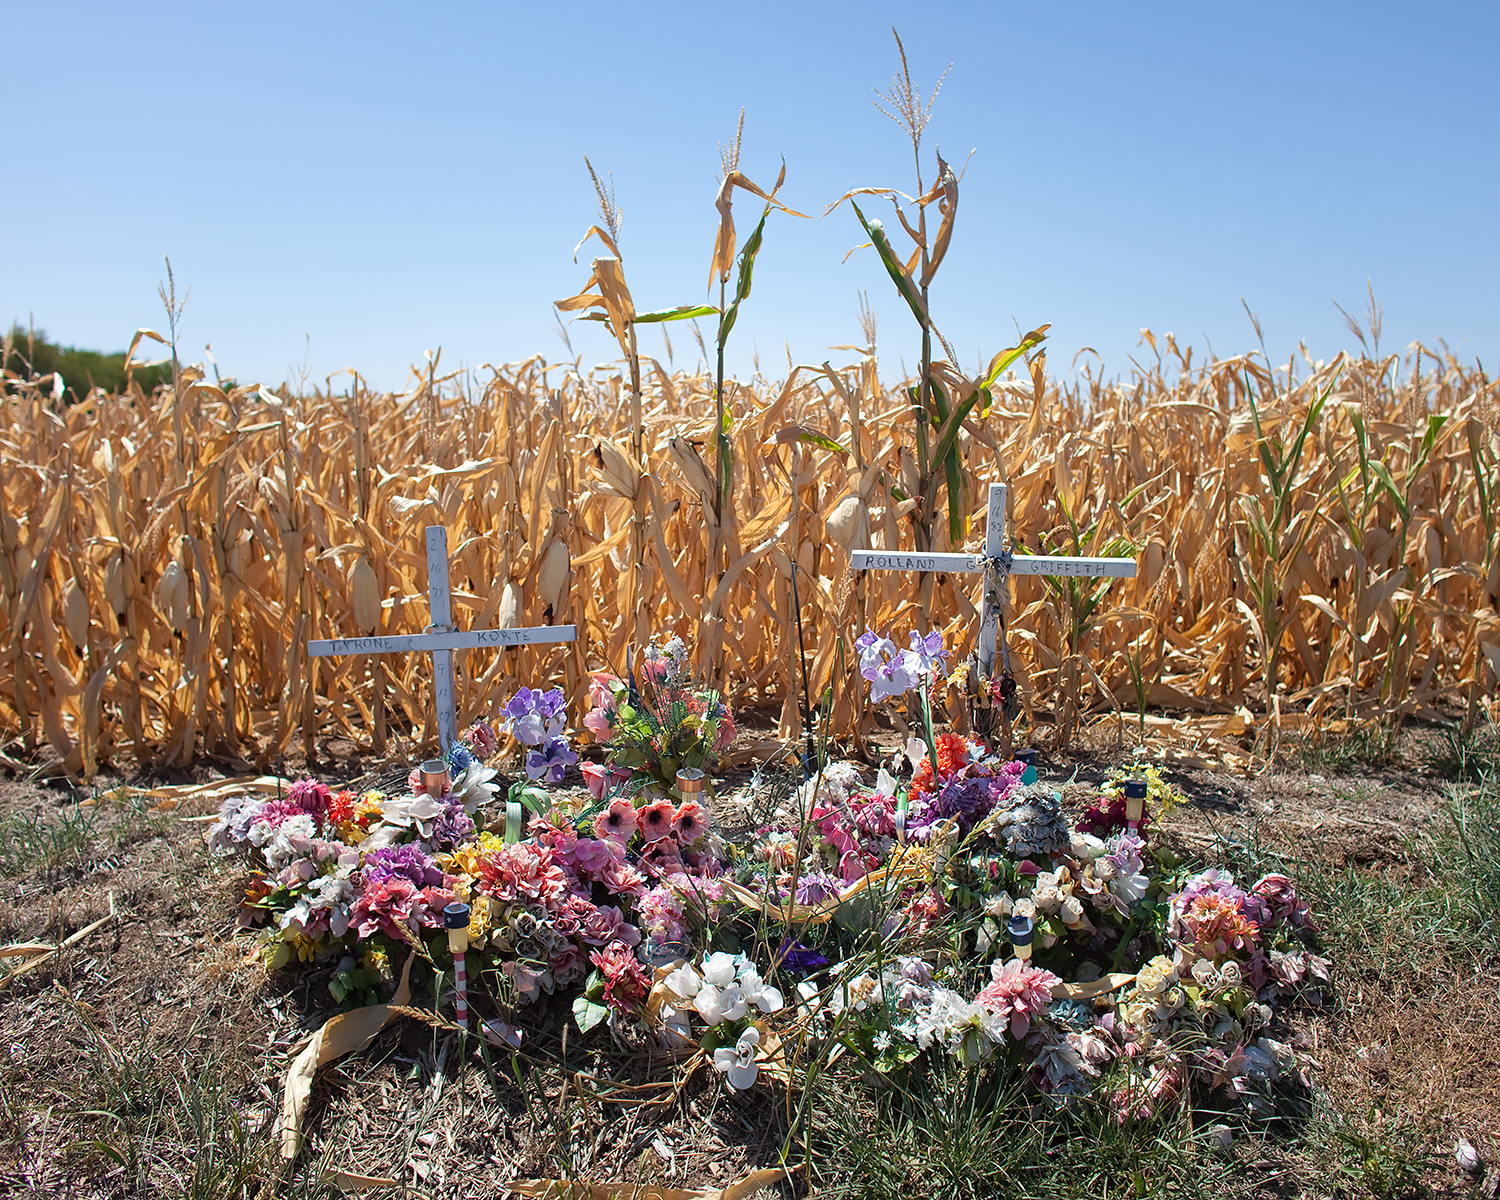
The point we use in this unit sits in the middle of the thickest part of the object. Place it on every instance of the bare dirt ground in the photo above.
(160, 1002)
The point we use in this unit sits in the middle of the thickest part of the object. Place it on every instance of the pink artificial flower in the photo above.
(602, 697)
(691, 822)
(856, 864)
(274, 812)
(623, 880)
(434, 900)
(385, 906)
(831, 824)
(618, 822)
(664, 856)
(592, 855)
(603, 778)
(524, 871)
(310, 796)
(569, 966)
(554, 830)
(607, 924)
(877, 816)
(625, 980)
(1017, 994)
(482, 737)
(726, 731)
(1285, 906)
(656, 820)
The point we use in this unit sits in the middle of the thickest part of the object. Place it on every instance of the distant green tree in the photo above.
(82, 370)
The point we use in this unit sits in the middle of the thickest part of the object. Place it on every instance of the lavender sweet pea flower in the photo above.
(891, 672)
(551, 761)
(929, 651)
(526, 723)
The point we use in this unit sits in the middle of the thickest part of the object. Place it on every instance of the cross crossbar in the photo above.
(997, 564)
(440, 639)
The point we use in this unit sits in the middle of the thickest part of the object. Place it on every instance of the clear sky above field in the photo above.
(350, 185)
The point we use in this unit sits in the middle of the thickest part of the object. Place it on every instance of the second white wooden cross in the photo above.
(440, 639)
(997, 565)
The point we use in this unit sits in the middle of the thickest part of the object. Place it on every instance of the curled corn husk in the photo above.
(114, 583)
(76, 613)
(172, 596)
(510, 606)
(849, 523)
(364, 595)
(552, 574)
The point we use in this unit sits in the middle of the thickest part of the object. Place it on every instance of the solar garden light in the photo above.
(690, 781)
(1135, 802)
(456, 922)
(1021, 928)
(435, 779)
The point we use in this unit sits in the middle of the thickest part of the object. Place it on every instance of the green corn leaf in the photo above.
(746, 277)
(894, 266)
(682, 312)
(809, 437)
(939, 401)
(957, 516)
(947, 434)
(1387, 484)
(1003, 361)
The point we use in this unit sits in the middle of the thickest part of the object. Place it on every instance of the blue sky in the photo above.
(351, 185)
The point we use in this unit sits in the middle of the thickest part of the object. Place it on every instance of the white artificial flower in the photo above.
(473, 788)
(684, 982)
(289, 840)
(739, 1063)
(916, 751)
(1086, 846)
(411, 812)
(882, 1042)
(718, 969)
(757, 992)
(675, 1030)
(717, 1005)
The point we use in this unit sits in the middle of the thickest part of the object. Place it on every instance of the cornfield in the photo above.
(1315, 539)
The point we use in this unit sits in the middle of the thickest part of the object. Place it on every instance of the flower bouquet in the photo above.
(656, 722)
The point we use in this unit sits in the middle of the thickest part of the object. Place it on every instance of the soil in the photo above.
(162, 994)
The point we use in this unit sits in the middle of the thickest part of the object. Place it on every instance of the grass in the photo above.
(35, 843)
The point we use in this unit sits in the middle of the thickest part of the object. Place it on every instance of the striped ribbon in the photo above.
(461, 985)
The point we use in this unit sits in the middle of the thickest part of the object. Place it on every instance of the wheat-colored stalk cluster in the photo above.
(164, 560)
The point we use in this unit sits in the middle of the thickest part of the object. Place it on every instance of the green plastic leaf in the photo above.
(587, 1013)
(683, 312)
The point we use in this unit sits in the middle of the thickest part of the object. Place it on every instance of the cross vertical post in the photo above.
(440, 605)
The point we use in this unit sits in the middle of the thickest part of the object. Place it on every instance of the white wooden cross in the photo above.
(997, 565)
(440, 639)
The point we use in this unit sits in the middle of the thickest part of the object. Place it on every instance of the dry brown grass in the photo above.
(165, 559)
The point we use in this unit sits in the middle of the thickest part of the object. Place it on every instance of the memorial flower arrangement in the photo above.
(941, 904)
(656, 721)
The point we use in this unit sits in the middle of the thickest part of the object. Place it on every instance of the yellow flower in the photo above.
(305, 948)
(1156, 976)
